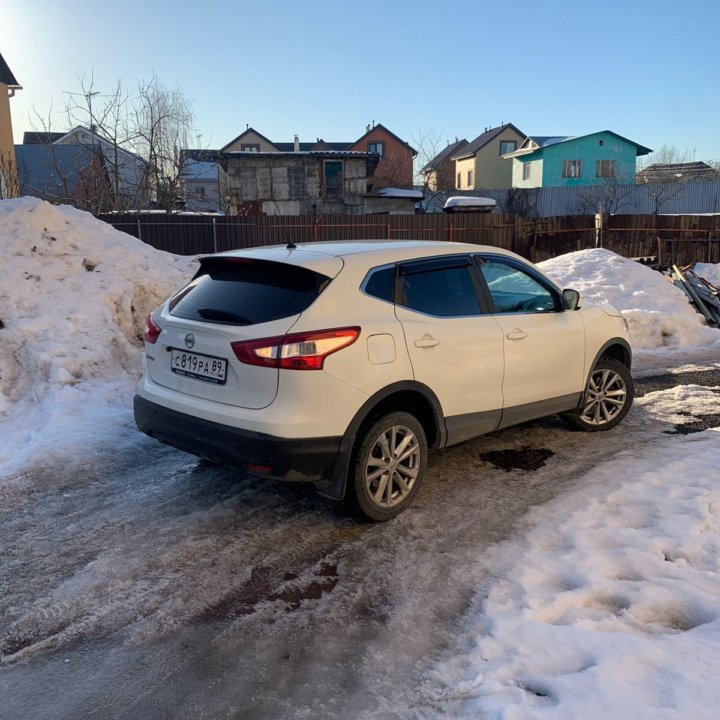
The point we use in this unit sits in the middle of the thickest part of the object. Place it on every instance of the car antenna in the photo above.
(291, 245)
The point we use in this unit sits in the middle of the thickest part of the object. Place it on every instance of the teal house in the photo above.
(594, 159)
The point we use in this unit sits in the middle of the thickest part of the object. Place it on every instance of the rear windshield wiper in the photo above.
(222, 316)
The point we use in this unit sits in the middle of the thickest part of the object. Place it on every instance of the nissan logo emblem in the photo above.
(189, 341)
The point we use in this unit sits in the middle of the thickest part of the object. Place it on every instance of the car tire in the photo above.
(388, 466)
(608, 396)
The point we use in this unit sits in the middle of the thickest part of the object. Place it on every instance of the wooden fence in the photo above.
(681, 239)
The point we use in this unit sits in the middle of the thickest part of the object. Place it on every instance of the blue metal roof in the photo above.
(51, 171)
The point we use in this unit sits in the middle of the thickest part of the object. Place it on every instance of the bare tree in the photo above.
(163, 125)
(8, 177)
(664, 155)
(429, 144)
(140, 136)
(663, 185)
(610, 196)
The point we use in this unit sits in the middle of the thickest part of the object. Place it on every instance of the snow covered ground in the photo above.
(606, 605)
(610, 604)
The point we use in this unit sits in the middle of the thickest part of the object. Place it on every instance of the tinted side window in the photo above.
(446, 292)
(514, 291)
(381, 284)
(246, 292)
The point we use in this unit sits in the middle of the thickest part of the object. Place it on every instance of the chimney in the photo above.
(367, 128)
(297, 144)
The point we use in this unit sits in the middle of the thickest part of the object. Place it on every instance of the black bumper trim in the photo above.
(303, 459)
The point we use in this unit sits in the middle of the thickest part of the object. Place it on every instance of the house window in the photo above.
(333, 174)
(526, 170)
(605, 168)
(470, 178)
(296, 178)
(200, 192)
(377, 148)
(245, 147)
(572, 168)
(459, 181)
(507, 146)
(601, 143)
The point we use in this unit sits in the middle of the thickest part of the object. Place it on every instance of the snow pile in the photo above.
(709, 271)
(658, 313)
(610, 606)
(73, 300)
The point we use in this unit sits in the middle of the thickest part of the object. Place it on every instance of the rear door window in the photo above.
(243, 291)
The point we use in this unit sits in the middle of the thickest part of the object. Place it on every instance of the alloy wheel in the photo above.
(605, 398)
(392, 466)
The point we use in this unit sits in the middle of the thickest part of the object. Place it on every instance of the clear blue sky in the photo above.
(647, 69)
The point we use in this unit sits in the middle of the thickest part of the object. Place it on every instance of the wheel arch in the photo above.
(408, 395)
(615, 349)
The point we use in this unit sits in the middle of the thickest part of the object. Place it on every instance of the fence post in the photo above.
(214, 224)
(450, 231)
(139, 227)
(388, 231)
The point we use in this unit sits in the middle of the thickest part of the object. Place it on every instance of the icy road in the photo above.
(142, 583)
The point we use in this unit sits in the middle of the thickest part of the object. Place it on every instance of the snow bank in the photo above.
(709, 271)
(610, 606)
(658, 313)
(73, 299)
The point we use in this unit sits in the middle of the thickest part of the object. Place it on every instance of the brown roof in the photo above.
(446, 152)
(389, 132)
(483, 139)
(6, 76)
(245, 132)
(664, 172)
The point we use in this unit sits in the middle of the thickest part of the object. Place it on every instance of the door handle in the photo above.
(516, 334)
(426, 341)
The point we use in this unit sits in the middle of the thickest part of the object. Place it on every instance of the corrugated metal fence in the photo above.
(700, 196)
(680, 239)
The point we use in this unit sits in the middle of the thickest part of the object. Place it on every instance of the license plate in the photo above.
(202, 367)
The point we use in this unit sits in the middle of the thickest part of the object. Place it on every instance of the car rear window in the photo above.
(242, 291)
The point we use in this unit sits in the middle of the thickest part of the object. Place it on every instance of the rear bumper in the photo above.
(296, 459)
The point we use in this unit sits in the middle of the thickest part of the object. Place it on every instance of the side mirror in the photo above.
(571, 299)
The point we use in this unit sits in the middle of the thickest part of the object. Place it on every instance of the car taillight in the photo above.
(297, 351)
(151, 332)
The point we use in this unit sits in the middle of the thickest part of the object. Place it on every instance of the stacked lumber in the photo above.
(702, 294)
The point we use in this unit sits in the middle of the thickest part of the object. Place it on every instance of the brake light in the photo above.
(152, 331)
(297, 351)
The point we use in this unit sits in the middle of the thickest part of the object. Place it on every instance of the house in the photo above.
(200, 180)
(561, 161)
(297, 182)
(8, 174)
(395, 168)
(129, 173)
(74, 174)
(482, 163)
(676, 172)
(301, 174)
(439, 173)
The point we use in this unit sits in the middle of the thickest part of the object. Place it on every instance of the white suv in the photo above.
(341, 363)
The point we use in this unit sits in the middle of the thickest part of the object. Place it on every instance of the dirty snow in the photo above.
(658, 313)
(73, 300)
(607, 606)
